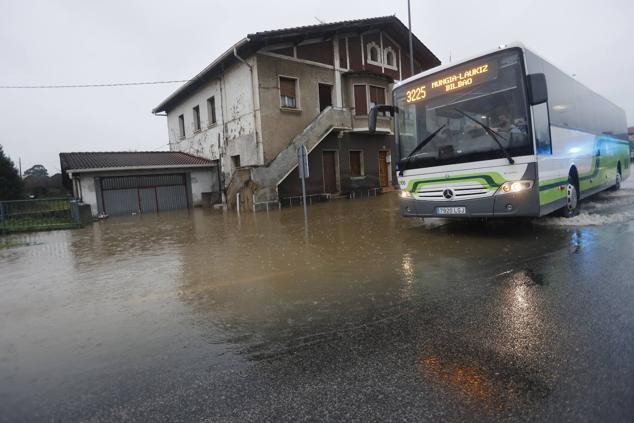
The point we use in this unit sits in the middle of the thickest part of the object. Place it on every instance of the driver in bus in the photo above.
(507, 129)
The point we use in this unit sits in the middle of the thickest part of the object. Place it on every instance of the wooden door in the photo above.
(325, 96)
(383, 169)
(329, 164)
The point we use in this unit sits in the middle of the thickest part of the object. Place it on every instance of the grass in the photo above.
(36, 215)
(38, 223)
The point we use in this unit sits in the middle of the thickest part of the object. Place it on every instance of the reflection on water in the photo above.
(177, 288)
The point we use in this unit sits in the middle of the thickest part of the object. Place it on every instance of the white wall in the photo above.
(234, 108)
(88, 192)
(203, 181)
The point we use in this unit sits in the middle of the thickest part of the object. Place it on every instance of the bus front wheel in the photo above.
(571, 208)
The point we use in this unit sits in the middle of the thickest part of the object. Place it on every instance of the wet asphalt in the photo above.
(360, 316)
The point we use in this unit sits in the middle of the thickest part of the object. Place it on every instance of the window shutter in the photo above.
(287, 87)
(377, 95)
(360, 100)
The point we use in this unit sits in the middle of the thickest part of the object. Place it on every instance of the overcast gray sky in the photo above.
(83, 42)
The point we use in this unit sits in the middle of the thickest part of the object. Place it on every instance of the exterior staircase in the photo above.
(259, 184)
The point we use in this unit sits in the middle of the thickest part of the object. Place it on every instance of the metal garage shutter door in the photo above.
(121, 201)
(143, 194)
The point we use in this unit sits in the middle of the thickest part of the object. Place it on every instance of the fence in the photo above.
(38, 215)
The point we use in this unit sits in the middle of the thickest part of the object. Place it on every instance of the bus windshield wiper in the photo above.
(420, 145)
(491, 133)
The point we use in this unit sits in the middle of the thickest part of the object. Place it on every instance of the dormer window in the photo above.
(374, 54)
(384, 57)
(389, 58)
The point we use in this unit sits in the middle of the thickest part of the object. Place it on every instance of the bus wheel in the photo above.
(571, 208)
(619, 178)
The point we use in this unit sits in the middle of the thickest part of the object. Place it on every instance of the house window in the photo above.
(356, 163)
(389, 58)
(197, 118)
(377, 96)
(181, 126)
(235, 160)
(288, 92)
(211, 110)
(374, 53)
(360, 100)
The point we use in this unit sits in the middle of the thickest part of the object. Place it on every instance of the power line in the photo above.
(114, 84)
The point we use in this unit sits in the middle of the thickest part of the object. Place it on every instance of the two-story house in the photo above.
(273, 91)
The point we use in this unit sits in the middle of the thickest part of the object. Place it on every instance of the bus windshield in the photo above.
(472, 103)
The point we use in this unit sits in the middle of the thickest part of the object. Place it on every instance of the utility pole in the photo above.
(20, 166)
(411, 45)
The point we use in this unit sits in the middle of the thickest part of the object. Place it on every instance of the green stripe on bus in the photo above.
(602, 164)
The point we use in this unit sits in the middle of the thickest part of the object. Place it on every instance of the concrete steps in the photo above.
(261, 184)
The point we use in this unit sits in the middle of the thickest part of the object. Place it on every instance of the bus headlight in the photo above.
(515, 186)
(406, 194)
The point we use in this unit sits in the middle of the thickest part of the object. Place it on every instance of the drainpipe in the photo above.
(221, 146)
(257, 137)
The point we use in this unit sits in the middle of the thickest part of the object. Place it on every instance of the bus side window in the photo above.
(542, 129)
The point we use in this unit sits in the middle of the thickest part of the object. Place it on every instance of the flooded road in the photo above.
(364, 315)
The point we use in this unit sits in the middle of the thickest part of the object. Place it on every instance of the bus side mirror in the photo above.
(374, 111)
(537, 90)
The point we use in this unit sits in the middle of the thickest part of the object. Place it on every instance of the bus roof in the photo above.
(515, 44)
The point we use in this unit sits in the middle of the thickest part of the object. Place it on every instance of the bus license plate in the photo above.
(451, 210)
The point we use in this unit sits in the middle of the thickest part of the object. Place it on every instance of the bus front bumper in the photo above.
(521, 204)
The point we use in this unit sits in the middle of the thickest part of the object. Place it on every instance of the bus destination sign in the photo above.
(456, 80)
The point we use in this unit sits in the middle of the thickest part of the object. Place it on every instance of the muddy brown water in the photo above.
(81, 310)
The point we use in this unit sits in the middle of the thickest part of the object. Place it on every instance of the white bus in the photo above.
(504, 134)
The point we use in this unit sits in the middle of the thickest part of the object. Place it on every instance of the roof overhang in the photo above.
(200, 76)
(132, 168)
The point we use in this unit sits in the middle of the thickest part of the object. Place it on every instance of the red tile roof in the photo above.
(123, 159)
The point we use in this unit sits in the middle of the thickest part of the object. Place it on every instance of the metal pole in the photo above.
(304, 199)
(411, 46)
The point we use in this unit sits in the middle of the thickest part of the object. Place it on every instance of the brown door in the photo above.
(325, 96)
(383, 177)
(330, 171)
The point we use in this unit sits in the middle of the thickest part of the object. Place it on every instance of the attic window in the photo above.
(390, 58)
(373, 53)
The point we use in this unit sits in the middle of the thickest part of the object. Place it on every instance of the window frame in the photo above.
(211, 111)
(389, 50)
(354, 99)
(381, 114)
(235, 161)
(379, 54)
(181, 126)
(196, 114)
(297, 96)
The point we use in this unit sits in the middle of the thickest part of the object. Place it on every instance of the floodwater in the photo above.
(361, 314)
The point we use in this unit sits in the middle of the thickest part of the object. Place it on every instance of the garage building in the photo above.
(123, 183)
